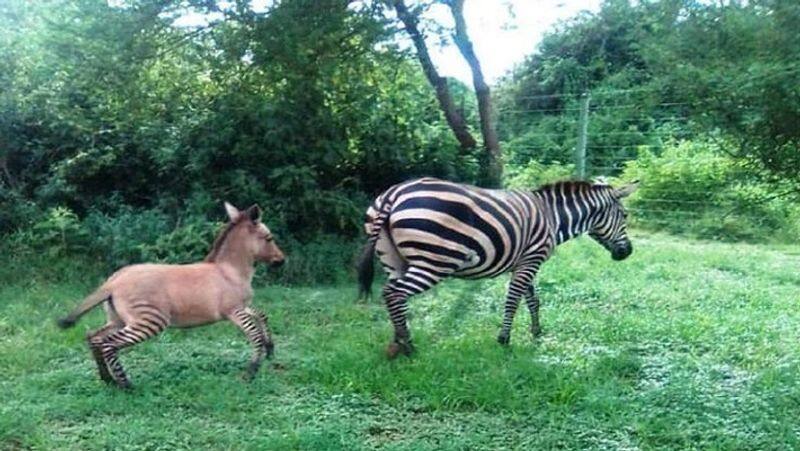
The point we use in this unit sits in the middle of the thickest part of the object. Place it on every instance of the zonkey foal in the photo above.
(142, 300)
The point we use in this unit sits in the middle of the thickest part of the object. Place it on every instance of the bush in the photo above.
(61, 247)
(134, 236)
(535, 174)
(16, 211)
(327, 259)
(696, 188)
(59, 233)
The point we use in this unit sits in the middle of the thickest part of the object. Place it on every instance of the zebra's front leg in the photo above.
(395, 294)
(532, 299)
(520, 282)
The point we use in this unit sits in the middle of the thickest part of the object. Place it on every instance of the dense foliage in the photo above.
(111, 106)
(121, 132)
(700, 68)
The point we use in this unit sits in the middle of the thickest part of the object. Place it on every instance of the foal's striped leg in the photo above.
(263, 322)
(131, 334)
(248, 323)
(95, 338)
(520, 283)
(395, 294)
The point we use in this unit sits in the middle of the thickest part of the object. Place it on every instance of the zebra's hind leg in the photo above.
(94, 339)
(532, 299)
(395, 294)
(520, 282)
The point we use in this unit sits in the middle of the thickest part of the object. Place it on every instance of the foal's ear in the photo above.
(233, 212)
(254, 213)
(626, 190)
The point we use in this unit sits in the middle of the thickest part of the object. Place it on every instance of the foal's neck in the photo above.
(229, 251)
(242, 264)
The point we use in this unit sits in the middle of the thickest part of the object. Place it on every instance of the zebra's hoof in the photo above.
(504, 339)
(124, 385)
(392, 350)
(106, 378)
(396, 348)
(270, 350)
(536, 332)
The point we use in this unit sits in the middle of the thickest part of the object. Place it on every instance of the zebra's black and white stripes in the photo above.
(428, 229)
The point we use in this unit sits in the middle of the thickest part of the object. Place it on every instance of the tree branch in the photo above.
(454, 119)
(494, 171)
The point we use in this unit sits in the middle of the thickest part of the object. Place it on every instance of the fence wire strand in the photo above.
(614, 121)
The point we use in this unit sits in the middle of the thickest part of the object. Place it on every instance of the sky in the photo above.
(503, 32)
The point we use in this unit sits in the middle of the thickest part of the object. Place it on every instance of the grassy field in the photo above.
(685, 345)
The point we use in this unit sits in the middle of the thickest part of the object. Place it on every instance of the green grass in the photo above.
(685, 345)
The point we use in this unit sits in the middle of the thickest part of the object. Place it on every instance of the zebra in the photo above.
(427, 229)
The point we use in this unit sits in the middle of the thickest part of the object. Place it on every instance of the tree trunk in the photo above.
(493, 170)
(5, 171)
(451, 114)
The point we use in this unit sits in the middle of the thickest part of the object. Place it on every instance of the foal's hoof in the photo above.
(396, 348)
(249, 375)
(504, 339)
(124, 385)
(536, 332)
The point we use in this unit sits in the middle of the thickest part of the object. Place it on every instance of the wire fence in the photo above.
(604, 133)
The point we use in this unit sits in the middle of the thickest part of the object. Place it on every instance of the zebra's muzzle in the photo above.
(621, 252)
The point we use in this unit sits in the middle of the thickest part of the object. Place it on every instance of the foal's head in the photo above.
(245, 233)
(610, 228)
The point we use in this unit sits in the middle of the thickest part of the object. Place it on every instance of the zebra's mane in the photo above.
(218, 242)
(571, 185)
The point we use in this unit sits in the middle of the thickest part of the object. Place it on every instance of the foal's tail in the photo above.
(91, 301)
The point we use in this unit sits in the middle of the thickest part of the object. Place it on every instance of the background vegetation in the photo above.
(121, 133)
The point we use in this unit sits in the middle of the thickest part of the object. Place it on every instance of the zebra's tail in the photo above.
(365, 265)
(366, 270)
(91, 301)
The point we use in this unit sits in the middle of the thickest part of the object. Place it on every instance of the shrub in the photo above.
(59, 233)
(535, 174)
(61, 247)
(326, 259)
(696, 188)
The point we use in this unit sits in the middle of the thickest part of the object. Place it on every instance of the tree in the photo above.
(494, 160)
(454, 118)
(492, 167)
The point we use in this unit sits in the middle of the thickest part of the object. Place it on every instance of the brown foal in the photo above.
(142, 300)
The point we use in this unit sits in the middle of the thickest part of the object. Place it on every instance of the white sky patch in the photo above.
(503, 32)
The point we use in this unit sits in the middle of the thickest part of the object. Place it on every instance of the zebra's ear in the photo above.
(626, 190)
(233, 212)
